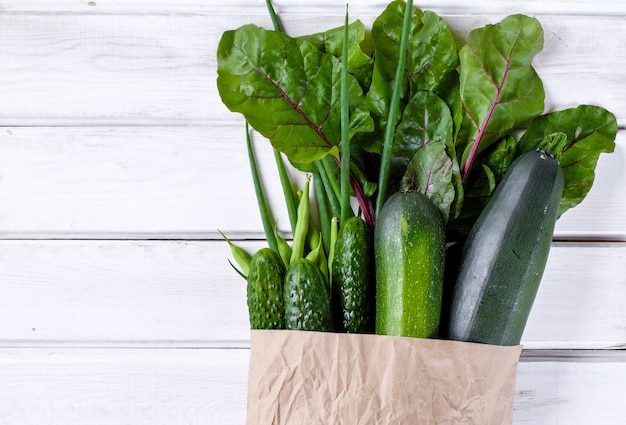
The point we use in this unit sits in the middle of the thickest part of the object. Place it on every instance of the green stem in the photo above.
(272, 12)
(334, 230)
(290, 197)
(284, 178)
(302, 224)
(322, 207)
(553, 144)
(331, 194)
(266, 217)
(385, 168)
(346, 209)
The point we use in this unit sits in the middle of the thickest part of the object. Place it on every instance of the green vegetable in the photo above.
(392, 113)
(264, 210)
(431, 56)
(499, 88)
(307, 299)
(241, 256)
(505, 254)
(409, 249)
(302, 224)
(449, 120)
(353, 279)
(265, 290)
(288, 89)
(590, 131)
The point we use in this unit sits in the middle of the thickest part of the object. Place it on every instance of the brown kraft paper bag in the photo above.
(313, 378)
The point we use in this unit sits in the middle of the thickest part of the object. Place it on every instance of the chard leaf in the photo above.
(500, 89)
(331, 42)
(432, 54)
(288, 90)
(482, 184)
(426, 119)
(432, 59)
(500, 157)
(430, 172)
(590, 130)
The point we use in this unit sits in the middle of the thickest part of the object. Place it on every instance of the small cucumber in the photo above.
(505, 253)
(352, 277)
(307, 299)
(409, 250)
(265, 290)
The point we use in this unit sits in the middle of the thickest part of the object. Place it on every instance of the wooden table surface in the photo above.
(119, 163)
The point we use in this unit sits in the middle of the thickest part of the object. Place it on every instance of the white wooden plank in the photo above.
(184, 294)
(600, 216)
(163, 182)
(577, 392)
(158, 69)
(121, 293)
(188, 182)
(601, 7)
(123, 387)
(194, 387)
(582, 287)
(82, 68)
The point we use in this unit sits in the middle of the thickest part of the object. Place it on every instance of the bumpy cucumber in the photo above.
(307, 298)
(506, 252)
(352, 277)
(409, 249)
(265, 290)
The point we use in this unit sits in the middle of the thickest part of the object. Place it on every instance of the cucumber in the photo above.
(265, 290)
(307, 298)
(409, 253)
(505, 254)
(352, 278)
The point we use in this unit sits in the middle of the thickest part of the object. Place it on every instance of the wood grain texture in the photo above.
(184, 294)
(119, 163)
(160, 69)
(208, 386)
(188, 182)
(129, 182)
(571, 7)
(123, 387)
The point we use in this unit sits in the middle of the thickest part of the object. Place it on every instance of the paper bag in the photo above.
(315, 378)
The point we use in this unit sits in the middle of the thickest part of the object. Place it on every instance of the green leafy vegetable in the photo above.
(424, 139)
(332, 42)
(385, 166)
(426, 119)
(403, 110)
(499, 88)
(494, 163)
(433, 162)
(288, 90)
(432, 59)
(590, 130)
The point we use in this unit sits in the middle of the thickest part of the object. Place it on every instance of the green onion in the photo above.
(346, 210)
(266, 218)
(385, 166)
(302, 224)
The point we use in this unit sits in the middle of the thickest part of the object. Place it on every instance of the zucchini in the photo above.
(265, 290)
(307, 298)
(352, 277)
(505, 254)
(409, 255)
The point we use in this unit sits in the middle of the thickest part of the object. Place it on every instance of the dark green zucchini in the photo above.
(352, 278)
(307, 298)
(265, 290)
(409, 251)
(505, 254)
